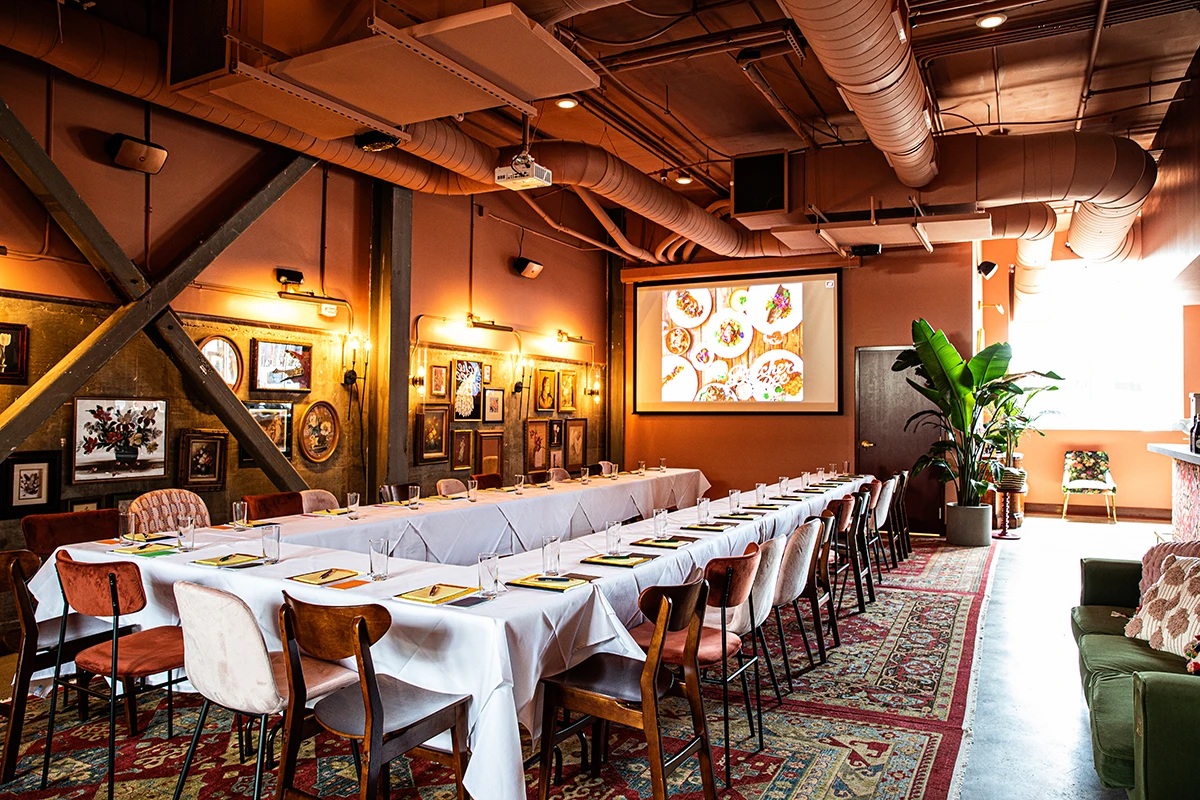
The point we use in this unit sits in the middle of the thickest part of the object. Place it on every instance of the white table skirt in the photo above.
(496, 651)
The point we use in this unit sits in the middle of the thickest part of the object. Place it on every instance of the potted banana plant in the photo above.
(965, 395)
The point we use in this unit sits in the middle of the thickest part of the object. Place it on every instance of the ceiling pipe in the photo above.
(1084, 93)
(558, 226)
(707, 44)
(958, 11)
(864, 48)
(747, 60)
(618, 236)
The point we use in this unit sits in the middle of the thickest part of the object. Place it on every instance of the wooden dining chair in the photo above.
(625, 691)
(795, 572)
(820, 590)
(449, 486)
(112, 590)
(394, 492)
(382, 716)
(870, 534)
(45, 533)
(276, 504)
(488, 480)
(900, 510)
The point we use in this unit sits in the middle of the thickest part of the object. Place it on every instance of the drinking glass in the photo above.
(472, 488)
(270, 544)
(660, 523)
(703, 511)
(240, 512)
(760, 493)
(352, 504)
(641, 468)
(845, 467)
(583, 475)
(550, 480)
(805, 480)
(783, 485)
(379, 549)
(820, 475)
(612, 538)
(662, 465)
(551, 547)
(129, 527)
(187, 533)
(519, 484)
(735, 500)
(414, 496)
(833, 473)
(489, 574)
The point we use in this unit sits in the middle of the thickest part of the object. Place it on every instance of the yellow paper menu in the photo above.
(437, 593)
(671, 543)
(331, 512)
(550, 583)
(145, 550)
(231, 560)
(617, 561)
(322, 577)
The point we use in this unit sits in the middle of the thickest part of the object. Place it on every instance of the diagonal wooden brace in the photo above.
(147, 306)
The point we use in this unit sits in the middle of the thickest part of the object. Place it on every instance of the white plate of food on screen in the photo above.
(775, 307)
(688, 308)
(679, 379)
(728, 333)
(777, 376)
(677, 341)
(716, 393)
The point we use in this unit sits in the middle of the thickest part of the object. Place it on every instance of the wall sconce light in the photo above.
(351, 377)
(490, 325)
(563, 336)
(987, 269)
(994, 306)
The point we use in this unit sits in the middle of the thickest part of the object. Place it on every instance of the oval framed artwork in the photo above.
(225, 358)
(320, 431)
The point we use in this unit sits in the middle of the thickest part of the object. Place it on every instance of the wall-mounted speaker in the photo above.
(527, 268)
(135, 154)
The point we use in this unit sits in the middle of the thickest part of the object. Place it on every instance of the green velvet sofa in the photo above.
(1143, 704)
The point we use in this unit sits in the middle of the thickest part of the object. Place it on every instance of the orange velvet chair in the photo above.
(45, 533)
(489, 480)
(269, 506)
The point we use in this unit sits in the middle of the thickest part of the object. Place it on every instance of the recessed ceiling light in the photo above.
(683, 178)
(990, 21)
(566, 102)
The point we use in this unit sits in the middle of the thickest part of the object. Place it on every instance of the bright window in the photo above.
(1115, 335)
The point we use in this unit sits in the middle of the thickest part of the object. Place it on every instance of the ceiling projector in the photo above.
(523, 173)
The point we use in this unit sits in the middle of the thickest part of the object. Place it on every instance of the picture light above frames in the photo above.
(326, 306)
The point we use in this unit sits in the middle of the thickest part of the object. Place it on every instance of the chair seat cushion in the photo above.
(139, 654)
(610, 675)
(709, 653)
(320, 677)
(404, 705)
(1088, 487)
(1112, 724)
(79, 626)
(1102, 656)
(1099, 619)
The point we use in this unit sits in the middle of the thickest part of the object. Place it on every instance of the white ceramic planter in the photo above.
(968, 526)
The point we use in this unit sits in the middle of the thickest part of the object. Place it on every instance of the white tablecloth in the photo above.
(495, 651)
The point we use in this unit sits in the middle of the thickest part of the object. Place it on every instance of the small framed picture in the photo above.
(14, 353)
(433, 425)
(276, 421)
(467, 384)
(280, 366)
(438, 379)
(556, 432)
(119, 439)
(121, 500)
(489, 452)
(462, 449)
(566, 390)
(320, 431)
(546, 390)
(576, 444)
(493, 405)
(537, 451)
(225, 358)
(556, 458)
(487, 373)
(85, 504)
(202, 458)
(32, 481)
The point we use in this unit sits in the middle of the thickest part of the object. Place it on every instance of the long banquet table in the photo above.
(495, 651)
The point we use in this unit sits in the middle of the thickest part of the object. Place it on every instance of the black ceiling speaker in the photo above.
(527, 268)
(135, 154)
(987, 269)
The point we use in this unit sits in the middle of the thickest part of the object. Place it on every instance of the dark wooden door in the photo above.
(883, 403)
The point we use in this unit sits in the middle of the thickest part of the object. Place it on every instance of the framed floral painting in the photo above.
(203, 456)
(320, 431)
(32, 483)
(537, 449)
(118, 440)
(433, 434)
(439, 378)
(466, 382)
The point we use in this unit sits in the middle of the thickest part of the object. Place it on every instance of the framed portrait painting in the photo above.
(545, 390)
(493, 405)
(432, 435)
(276, 421)
(203, 456)
(14, 353)
(438, 379)
(566, 390)
(320, 432)
(32, 481)
(537, 449)
(118, 439)
(576, 448)
(280, 366)
(489, 452)
(462, 449)
(466, 381)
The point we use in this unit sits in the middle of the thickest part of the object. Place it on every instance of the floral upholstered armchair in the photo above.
(1087, 472)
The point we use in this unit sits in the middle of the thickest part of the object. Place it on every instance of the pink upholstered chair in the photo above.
(559, 474)
(449, 486)
(794, 574)
(165, 510)
(317, 500)
(608, 467)
(748, 618)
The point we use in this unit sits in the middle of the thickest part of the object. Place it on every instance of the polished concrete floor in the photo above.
(1031, 737)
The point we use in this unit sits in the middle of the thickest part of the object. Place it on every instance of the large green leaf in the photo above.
(945, 368)
(990, 363)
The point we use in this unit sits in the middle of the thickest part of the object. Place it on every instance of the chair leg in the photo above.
(262, 755)
(191, 753)
(757, 702)
(16, 721)
(725, 716)
(82, 679)
(865, 554)
(833, 622)
(50, 724)
(654, 754)
(766, 654)
(293, 735)
(549, 719)
(691, 690)
(1066, 500)
(458, 739)
(783, 648)
(112, 728)
(131, 718)
(818, 625)
(746, 696)
(856, 568)
(597, 738)
(171, 710)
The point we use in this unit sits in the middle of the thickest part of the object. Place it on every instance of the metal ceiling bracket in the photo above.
(922, 237)
(833, 244)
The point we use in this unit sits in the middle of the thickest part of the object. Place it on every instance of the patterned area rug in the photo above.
(882, 719)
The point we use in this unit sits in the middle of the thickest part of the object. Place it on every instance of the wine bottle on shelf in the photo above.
(1194, 433)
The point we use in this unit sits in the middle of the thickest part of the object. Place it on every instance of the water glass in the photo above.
(783, 485)
(660, 523)
(352, 504)
(240, 512)
(187, 533)
(551, 548)
(583, 475)
(833, 473)
(845, 467)
(551, 480)
(760, 493)
(735, 500)
(641, 468)
(805, 480)
(270, 544)
(703, 511)
(662, 465)
(129, 527)
(380, 549)
(489, 574)
(820, 475)
(612, 538)
(472, 489)
(519, 484)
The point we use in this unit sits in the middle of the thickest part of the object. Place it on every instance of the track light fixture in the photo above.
(474, 322)
(374, 141)
(563, 336)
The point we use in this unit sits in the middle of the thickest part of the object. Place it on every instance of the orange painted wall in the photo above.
(879, 302)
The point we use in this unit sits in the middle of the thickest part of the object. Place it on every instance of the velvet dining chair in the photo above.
(449, 486)
(820, 590)
(488, 480)
(276, 504)
(795, 572)
(317, 500)
(45, 533)
(559, 474)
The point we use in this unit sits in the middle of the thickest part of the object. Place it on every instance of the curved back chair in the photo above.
(868, 531)
(1088, 472)
(166, 509)
(881, 516)
(449, 486)
(615, 688)
(559, 474)
(45, 533)
(395, 492)
(317, 500)
(749, 617)
(795, 571)
(489, 480)
(277, 504)
(900, 511)
(609, 468)
(821, 587)
(537, 476)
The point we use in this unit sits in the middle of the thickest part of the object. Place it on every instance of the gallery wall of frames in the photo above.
(467, 419)
(137, 426)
